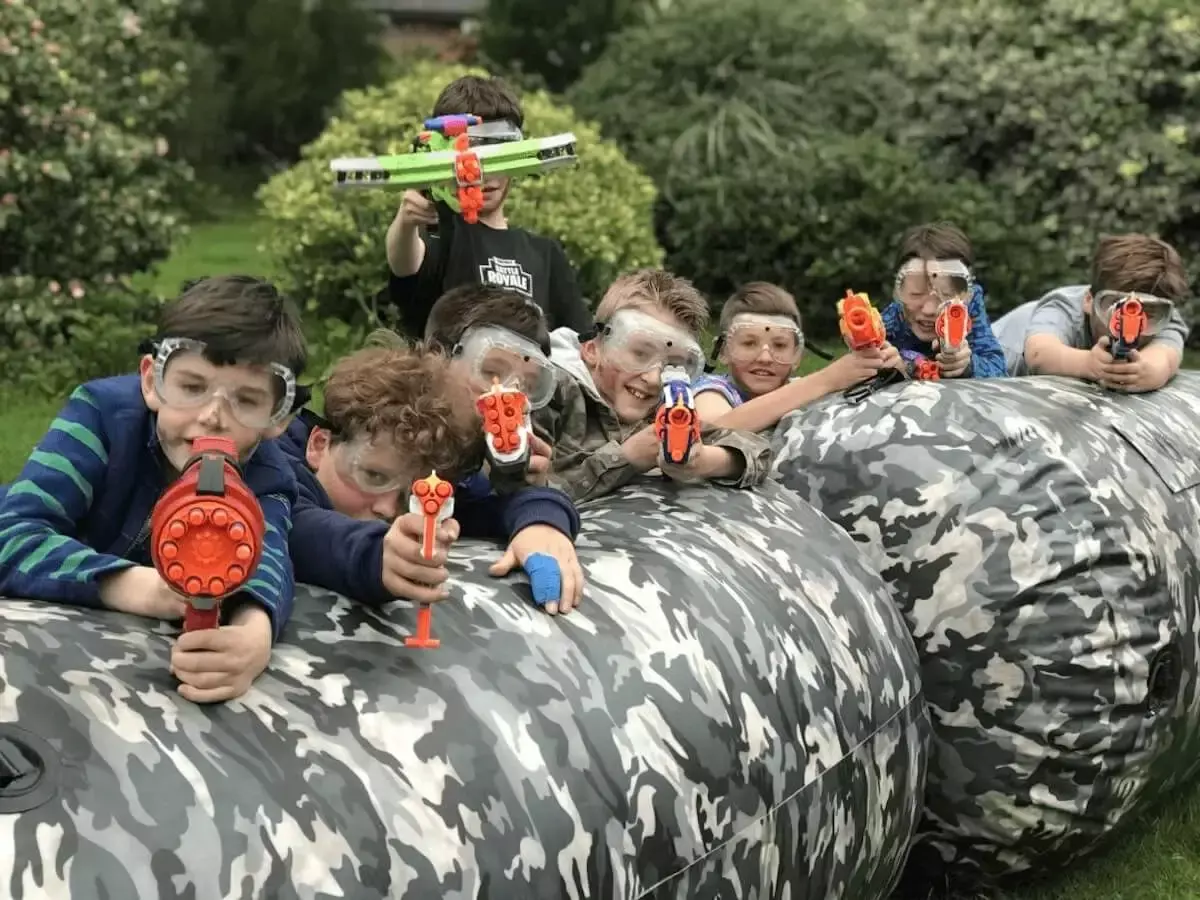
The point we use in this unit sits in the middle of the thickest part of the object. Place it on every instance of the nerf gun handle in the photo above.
(206, 532)
(433, 499)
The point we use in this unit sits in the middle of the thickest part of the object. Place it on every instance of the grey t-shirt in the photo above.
(1060, 313)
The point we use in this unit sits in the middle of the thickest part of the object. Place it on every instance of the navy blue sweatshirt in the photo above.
(345, 555)
(80, 509)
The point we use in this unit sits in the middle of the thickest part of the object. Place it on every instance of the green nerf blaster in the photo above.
(452, 157)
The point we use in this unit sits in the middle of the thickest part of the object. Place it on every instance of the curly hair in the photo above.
(407, 394)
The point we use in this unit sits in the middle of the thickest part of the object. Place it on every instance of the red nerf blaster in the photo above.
(507, 429)
(676, 425)
(433, 499)
(927, 370)
(860, 322)
(206, 531)
(450, 133)
(1126, 326)
(952, 325)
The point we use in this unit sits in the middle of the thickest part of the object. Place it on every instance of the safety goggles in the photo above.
(636, 342)
(373, 468)
(1156, 309)
(257, 396)
(942, 279)
(498, 131)
(749, 335)
(497, 355)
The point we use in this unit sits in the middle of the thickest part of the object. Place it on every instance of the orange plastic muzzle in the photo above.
(206, 532)
(860, 323)
(953, 324)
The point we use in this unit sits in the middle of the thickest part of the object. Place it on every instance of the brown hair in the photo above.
(1138, 262)
(408, 395)
(489, 98)
(760, 297)
(476, 305)
(240, 320)
(935, 240)
(657, 289)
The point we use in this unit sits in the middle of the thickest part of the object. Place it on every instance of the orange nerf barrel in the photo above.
(927, 370)
(860, 322)
(433, 499)
(1126, 326)
(506, 428)
(206, 531)
(677, 425)
(953, 324)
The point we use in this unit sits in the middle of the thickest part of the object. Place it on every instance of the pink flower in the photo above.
(76, 289)
(55, 287)
(131, 25)
(36, 25)
(47, 168)
(161, 147)
(52, 48)
(9, 199)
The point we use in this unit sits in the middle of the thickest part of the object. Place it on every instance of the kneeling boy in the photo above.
(393, 414)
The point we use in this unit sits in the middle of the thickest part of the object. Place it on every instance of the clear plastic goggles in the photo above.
(257, 396)
(372, 468)
(749, 335)
(636, 342)
(497, 355)
(499, 131)
(1156, 309)
(942, 279)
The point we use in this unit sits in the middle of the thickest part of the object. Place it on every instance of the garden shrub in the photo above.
(329, 246)
(826, 216)
(1085, 112)
(709, 81)
(550, 39)
(87, 88)
(275, 71)
(54, 335)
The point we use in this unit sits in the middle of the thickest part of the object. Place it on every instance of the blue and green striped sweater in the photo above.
(80, 509)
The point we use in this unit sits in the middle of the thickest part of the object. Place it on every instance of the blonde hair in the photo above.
(657, 289)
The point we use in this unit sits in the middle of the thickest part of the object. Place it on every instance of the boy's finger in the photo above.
(448, 531)
(419, 572)
(208, 695)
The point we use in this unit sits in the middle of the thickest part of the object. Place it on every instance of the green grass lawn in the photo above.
(1159, 861)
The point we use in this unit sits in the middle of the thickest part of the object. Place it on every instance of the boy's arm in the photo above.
(987, 356)
(567, 303)
(273, 586)
(1054, 327)
(332, 551)
(540, 506)
(764, 412)
(40, 559)
(747, 456)
(411, 296)
(1164, 354)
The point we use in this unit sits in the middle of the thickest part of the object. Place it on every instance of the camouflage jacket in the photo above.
(587, 437)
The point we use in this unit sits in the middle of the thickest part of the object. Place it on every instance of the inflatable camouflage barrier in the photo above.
(735, 712)
(1041, 537)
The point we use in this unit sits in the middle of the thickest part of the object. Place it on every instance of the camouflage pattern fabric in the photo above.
(735, 712)
(1041, 537)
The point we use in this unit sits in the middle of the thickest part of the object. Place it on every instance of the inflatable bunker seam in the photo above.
(1041, 537)
(734, 712)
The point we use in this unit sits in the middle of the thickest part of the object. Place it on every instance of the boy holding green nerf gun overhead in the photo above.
(423, 263)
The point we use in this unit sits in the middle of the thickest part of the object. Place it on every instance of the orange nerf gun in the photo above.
(953, 324)
(206, 531)
(507, 429)
(676, 425)
(860, 322)
(1126, 326)
(433, 499)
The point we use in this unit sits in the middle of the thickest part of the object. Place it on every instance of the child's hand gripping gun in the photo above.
(952, 325)
(1126, 326)
(206, 532)
(507, 429)
(860, 322)
(677, 425)
(433, 500)
(445, 162)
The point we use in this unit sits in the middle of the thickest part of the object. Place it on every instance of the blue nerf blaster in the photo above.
(677, 424)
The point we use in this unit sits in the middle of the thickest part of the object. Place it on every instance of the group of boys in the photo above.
(333, 486)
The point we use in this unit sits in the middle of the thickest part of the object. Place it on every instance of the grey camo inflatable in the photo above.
(1041, 536)
(734, 713)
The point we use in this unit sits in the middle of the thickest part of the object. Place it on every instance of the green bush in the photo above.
(824, 217)
(551, 39)
(87, 88)
(1086, 113)
(54, 335)
(329, 246)
(711, 80)
(274, 72)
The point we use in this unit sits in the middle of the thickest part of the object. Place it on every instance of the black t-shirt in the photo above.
(462, 253)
